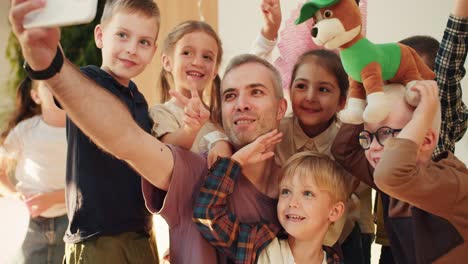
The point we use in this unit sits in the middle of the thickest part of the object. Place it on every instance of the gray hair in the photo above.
(240, 60)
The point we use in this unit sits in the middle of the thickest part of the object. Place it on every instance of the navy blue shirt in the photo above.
(103, 193)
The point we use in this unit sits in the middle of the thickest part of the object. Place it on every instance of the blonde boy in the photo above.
(425, 202)
(109, 222)
(312, 193)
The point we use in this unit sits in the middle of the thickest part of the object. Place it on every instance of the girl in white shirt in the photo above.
(35, 142)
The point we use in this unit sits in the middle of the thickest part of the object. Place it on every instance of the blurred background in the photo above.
(238, 23)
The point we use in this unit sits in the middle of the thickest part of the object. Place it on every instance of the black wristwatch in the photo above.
(48, 73)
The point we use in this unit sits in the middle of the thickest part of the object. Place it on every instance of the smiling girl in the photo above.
(191, 55)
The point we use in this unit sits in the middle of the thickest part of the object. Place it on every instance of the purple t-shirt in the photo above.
(176, 207)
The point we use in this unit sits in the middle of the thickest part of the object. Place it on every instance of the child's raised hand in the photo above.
(429, 104)
(196, 114)
(271, 11)
(38, 45)
(424, 114)
(259, 150)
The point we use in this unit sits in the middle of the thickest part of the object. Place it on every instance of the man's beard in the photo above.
(240, 140)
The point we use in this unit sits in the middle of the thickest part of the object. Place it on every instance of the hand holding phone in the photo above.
(58, 13)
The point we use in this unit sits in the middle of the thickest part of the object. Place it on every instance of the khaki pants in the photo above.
(124, 248)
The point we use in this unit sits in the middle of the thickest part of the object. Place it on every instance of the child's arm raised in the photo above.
(271, 10)
(460, 8)
(266, 41)
(196, 115)
(241, 242)
(437, 187)
(98, 113)
(424, 114)
(450, 71)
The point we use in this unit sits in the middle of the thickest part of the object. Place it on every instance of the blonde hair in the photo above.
(398, 92)
(325, 173)
(148, 8)
(168, 49)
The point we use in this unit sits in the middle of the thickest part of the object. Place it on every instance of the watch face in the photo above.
(53, 69)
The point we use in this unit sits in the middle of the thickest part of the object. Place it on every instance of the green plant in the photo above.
(77, 43)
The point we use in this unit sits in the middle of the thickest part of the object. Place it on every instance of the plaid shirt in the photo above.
(241, 242)
(450, 71)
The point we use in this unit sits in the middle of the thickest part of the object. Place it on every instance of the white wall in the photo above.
(388, 21)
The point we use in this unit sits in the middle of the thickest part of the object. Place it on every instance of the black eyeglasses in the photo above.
(382, 134)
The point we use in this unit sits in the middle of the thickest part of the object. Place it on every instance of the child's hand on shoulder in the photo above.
(196, 114)
(259, 150)
(271, 11)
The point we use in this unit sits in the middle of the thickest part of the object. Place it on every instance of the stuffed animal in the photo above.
(338, 26)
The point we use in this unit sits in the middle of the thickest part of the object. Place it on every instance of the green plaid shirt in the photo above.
(241, 242)
(450, 71)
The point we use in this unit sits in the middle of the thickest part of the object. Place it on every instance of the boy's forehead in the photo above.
(397, 119)
(401, 112)
(300, 177)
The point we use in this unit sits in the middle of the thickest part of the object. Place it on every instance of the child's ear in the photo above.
(166, 63)
(98, 36)
(336, 212)
(429, 142)
(282, 107)
(35, 96)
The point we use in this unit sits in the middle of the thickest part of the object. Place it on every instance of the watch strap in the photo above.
(48, 73)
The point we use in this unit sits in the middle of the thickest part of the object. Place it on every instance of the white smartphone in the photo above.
(59, 13)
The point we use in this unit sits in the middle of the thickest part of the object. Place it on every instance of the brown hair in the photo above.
(322, 170)
(148, 8)
(168, 48)
(25, 107)
(330, 62)
(237, 61)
